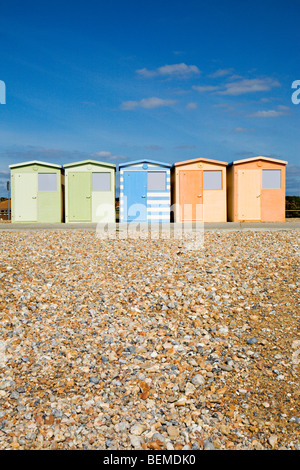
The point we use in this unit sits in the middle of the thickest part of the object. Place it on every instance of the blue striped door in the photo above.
(135, 190)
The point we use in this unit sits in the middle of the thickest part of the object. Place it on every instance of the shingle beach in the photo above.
(149, 344)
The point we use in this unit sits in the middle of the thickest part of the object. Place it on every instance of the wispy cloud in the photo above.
(191, 105)
(153, 147)
(239, 130)
(240, 87)
(175, 70)
(205, 88)
(88, 103)
(147, 103)
(266, 114)
(271, 113)
(221, 73)
(185, 147)
(29, 152)
(107, 155)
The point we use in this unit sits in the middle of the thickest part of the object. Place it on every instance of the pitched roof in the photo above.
(253, 159)
(134, 162)
(94, 162)
(195, 160)
(34, 162)
(4, 204)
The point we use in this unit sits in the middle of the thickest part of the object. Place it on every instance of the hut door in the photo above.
(249, 194)
(191, 195)
(26, 197)
(79, 199)
(135, 192)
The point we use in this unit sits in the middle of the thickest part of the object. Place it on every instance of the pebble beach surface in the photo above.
(149, 343)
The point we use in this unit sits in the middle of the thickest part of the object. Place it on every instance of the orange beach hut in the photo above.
(199, 190)
(256, 190)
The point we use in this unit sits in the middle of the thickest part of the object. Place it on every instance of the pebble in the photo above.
(273, 440)
(173, 432)
(94, 380)
(252, 341)
(295, 419)
(226, 368)
(123, 344)
(208, 445)
(136, 442)
(138, 429)
(198, 379)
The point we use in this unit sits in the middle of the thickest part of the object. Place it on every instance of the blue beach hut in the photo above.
(145, 191)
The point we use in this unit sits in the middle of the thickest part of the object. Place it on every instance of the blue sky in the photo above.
(166, 80)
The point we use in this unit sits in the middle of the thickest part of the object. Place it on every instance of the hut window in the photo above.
(156, 180)
(212, 179)
(101, 181)
(271, 179)
(47, 181)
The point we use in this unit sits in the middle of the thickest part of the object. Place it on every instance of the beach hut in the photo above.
(36, 192)
(90, 191)
(145, 194)
(256, 190)
(199, 190)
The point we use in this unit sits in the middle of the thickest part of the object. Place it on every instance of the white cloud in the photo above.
(30, 152)
(179, 70)
(204, 88)
(253, 85)
(283, 108)
(266, 114)
(147, 103)
(107, 155)
(129, 105)
(185, 147)
(271, 113)
(239, 130)
(153, 147)
(102, 153)
(191, 106)
(89, 103)
(221, 73)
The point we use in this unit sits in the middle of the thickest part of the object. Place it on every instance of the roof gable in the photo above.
(195, 160)
(86, 162)
(253, 159)
(134, 162)
(35, 162)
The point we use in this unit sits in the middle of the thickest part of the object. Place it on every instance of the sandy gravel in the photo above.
(149, 344)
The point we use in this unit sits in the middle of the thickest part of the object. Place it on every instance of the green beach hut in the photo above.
(36, 192)
(90, 192)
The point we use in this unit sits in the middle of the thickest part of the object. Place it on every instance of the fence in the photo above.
(5, 214)
(292, 213)
(292, 206)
